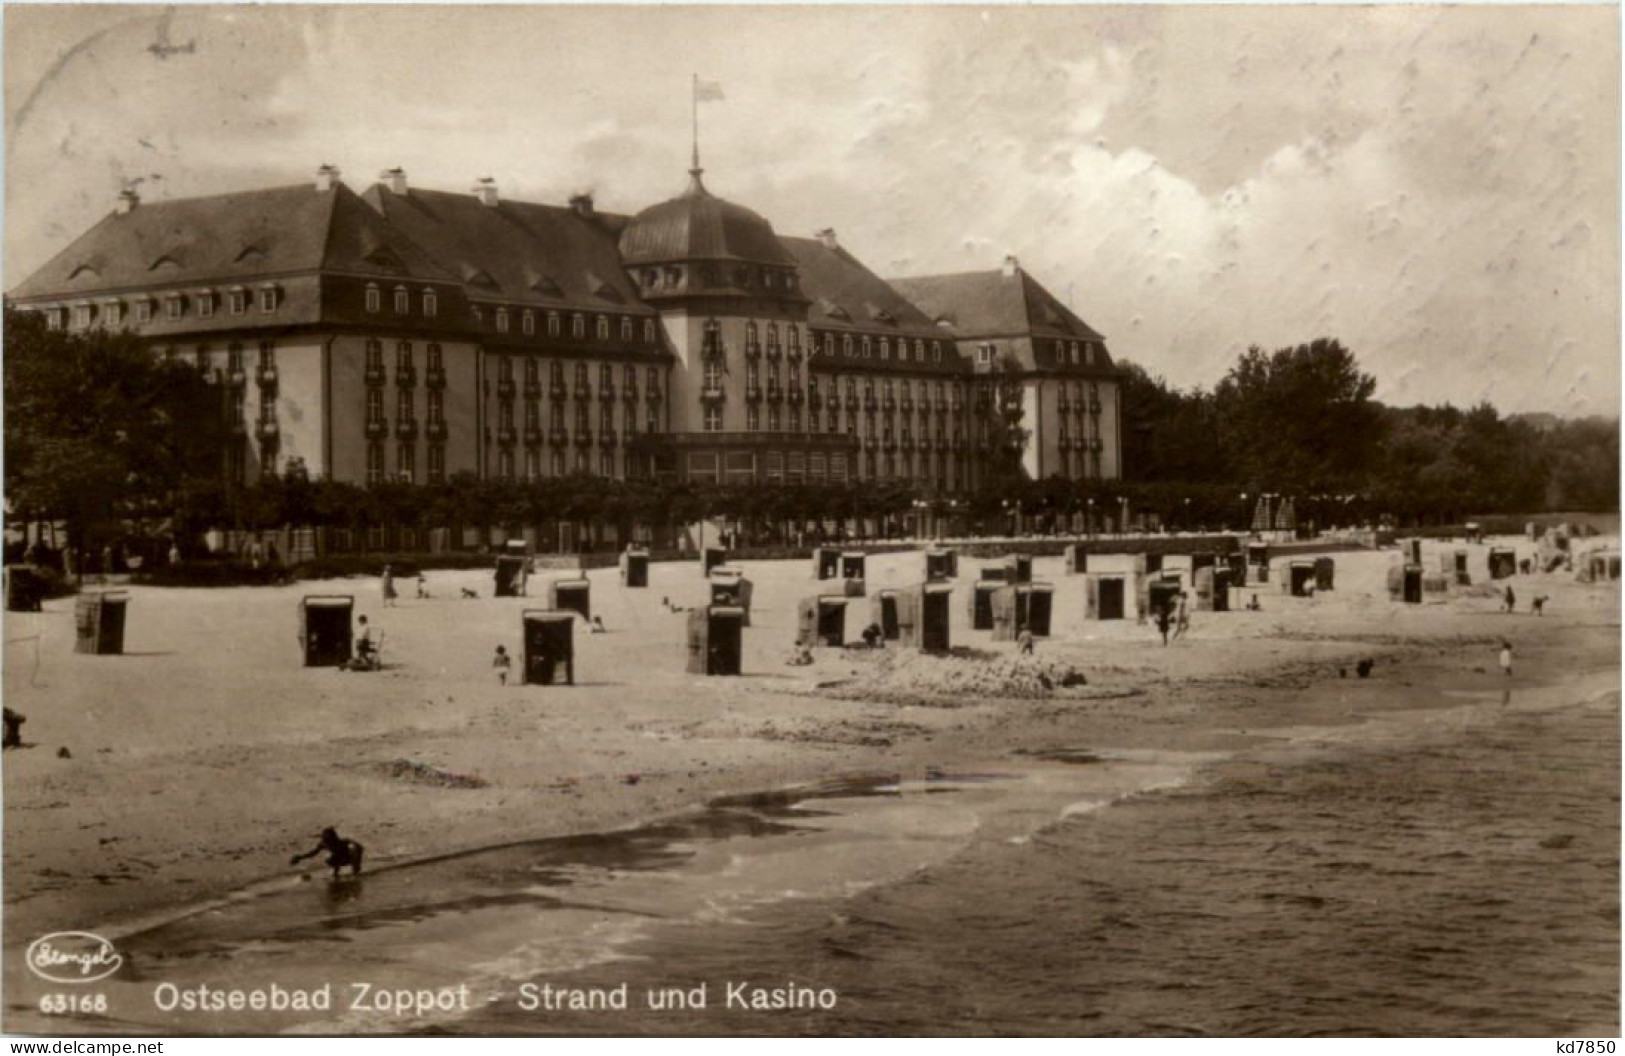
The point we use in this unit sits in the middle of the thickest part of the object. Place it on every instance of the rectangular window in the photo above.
(403, 302)
(375, 462)
(437, 406)
(375, 405)
(437, 463)
(527, 323)
(237, 302)
(713, 419)
(404, 410)
(375, 299)
(406, 461)
(502, 320)
(431, 308)
(205, 305)
(143, 311)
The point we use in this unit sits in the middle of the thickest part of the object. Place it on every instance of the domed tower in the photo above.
(735, 315)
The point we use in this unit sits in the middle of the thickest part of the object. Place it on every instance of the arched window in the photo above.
(552, 324)
(375, 299)
(578, 325)
(603, 328)
(403, 301)
(846, 344)
(772, 336)
(885, 348)
(867, 346)
(431, 304)
(919, 349)
(627, 330)
(502, 320)
(527, 322)
(649, 331)
(795, 339)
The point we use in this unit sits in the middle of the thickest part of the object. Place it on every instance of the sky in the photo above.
(1437, 187)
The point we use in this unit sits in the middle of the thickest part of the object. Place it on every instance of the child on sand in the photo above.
(423, 587)
(501, 662)
(386, 585)
(1506, 658)
(1024, 641)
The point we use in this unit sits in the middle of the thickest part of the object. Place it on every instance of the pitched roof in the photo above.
(228, 238)
(519, 252)
(847, 295)
(989, 303)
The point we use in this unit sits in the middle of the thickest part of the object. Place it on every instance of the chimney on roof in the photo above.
(127, 201)
(327, 177)
(1011, 265)
(582, 204)
(485, 189)
(394, 179)
(827, 236)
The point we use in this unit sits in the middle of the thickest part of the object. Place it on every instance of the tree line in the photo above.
(107, 440)
(1301, 421)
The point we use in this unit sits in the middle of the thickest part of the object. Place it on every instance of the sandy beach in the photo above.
(210, 698)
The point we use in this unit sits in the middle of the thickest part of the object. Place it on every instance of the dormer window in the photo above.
(868, 346)
(205, 304)
(268, 298)
(403, 301)
(1089, 353)
(143, 311)
(628, 331)
(237, 301)
(1072, 353)
(984, 353)
(603, 328)
(502, 320)
(375, 299)
(846, 345)
(552, 324)
(885, 348)
(527, 322)
(172, 306)
(112, 313)
(578, 326)
(431, 304)
(649, 331)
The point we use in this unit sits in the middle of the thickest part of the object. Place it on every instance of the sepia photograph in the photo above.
(806, 520)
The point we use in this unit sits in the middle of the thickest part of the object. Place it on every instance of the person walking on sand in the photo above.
(1506, 658)
(1182, 616)
(386, 584)
(502, 662)
(1509, 599)
(1164, 621)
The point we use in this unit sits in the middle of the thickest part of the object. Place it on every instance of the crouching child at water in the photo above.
(340, 853)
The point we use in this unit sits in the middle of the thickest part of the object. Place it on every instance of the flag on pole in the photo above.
(707, 91)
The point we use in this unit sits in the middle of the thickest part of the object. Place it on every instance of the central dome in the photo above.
(697, 225)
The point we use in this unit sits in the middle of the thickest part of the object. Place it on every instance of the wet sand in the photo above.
(199, 766)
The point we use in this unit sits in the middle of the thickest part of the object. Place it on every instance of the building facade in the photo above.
(407, 334)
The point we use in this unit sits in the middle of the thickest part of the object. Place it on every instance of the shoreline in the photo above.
(655, 749)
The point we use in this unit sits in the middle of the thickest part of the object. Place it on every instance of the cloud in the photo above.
(1435, 186)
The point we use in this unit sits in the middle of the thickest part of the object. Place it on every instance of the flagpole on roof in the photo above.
(694, 105)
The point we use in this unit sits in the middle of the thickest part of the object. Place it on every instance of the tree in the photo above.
(98, 430)
(1298, 420)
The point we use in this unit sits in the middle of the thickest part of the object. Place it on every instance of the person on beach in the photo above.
(366, 652)
(502, 662)
(1509, 600)
(1506, 658)
(598, 625)
(1182, 616)
(340, 853)
(874, 637)
(1539, 604)
(423, 587)
(1024, 641)
(386, 585)
(1253, 605)
(1164, 621)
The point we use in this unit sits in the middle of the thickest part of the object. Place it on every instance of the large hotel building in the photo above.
(410, 334)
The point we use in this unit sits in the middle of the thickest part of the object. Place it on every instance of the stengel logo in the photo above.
(72, 957)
